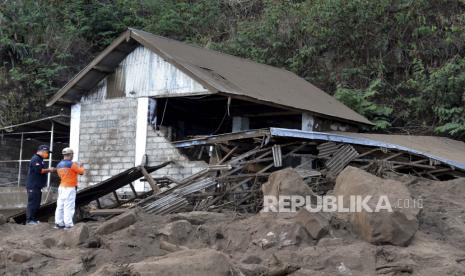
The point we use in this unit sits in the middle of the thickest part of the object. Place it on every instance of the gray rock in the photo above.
(383, 227)
(75, 236)
(286, 182)
(117, 223)
(177, 232)
(316, 224)
(198, 262)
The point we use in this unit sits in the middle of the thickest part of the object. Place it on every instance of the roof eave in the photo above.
(65, 89)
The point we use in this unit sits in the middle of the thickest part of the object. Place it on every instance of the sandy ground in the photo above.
(233, 244)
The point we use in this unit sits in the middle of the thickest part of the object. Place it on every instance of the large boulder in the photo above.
(286, 182)
(117, 223)
(396, 226)
(199, 262)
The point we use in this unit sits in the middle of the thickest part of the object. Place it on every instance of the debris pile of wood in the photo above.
(240, 165)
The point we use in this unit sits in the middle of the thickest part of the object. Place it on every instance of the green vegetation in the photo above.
(400, 63)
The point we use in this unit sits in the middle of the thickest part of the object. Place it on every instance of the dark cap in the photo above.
(43, 147)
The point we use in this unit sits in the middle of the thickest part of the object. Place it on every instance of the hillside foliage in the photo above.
(400, 63)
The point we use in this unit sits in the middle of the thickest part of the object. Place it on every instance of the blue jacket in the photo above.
(36, 180)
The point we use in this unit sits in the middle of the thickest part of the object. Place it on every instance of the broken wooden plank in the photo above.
(150, 180)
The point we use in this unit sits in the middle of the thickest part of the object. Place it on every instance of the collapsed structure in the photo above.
(224, 123)
(171, 132)
(145, 91)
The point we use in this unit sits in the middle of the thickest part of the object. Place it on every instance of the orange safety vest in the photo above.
(68, 171)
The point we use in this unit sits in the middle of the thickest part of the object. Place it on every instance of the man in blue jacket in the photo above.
(36, 180)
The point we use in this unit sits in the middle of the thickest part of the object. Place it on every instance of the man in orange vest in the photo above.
(68, 172)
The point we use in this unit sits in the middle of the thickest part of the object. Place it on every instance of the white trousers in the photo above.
(65, 206)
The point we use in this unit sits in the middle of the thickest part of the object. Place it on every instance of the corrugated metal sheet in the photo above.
(175, 200)
(143, 73)
(340, 159)
(442, 149)
(326, 150)
(147, 74)
(99, 93)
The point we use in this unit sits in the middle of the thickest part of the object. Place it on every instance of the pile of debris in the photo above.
(241, 164)
(238, 166)
(229, 243)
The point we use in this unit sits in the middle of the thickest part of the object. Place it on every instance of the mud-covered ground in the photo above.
(202, 243)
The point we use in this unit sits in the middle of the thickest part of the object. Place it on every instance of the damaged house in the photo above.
(187, 128)
(145, 91)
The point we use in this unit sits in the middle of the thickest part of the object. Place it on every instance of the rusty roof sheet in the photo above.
(220, 73)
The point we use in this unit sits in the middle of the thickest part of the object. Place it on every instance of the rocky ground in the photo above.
(203, 243)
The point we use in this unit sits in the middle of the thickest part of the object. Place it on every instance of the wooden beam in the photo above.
(441, 170)
(228, 155)
(393, 156)
(98, 203)
(104, 69)
(150, 180)
(368, 152)
(133, 190)
(413, 162)
(269, 114)
(116, 197)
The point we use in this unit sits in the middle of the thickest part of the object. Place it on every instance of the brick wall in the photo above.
(107, 143)
(107, 138)
(159, 150)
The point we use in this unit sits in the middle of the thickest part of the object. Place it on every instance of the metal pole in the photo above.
(49, 176)
(20, 158)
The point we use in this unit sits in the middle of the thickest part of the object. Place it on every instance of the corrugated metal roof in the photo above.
(218, 72)
(442, 149)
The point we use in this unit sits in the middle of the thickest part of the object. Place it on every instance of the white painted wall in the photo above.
(308, 122)
(141, 136)
(75, 125)
(240, 124)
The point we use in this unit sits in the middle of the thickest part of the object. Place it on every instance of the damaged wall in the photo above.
(159, 149)
(107, 143)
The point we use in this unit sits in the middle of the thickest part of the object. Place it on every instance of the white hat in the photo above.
(67, 151)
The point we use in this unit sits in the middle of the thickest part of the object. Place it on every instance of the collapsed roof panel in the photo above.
(441, 149)
(437, 148)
